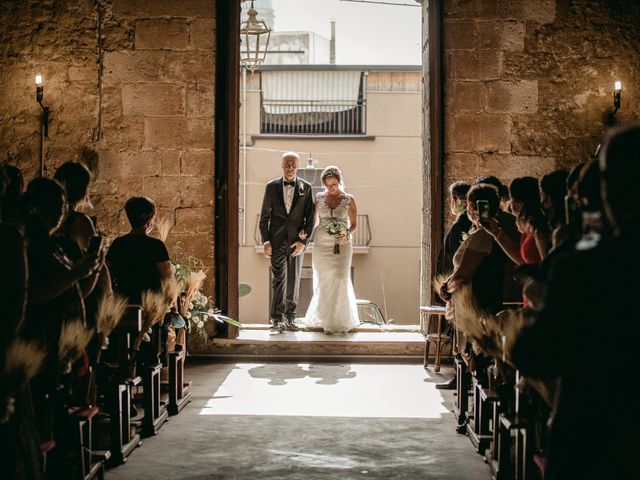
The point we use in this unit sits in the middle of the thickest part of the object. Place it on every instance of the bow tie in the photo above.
(291, 183)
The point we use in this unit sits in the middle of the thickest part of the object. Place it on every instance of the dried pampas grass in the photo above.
(170, 290)
(163, 225)
(23, 360)
(110, 311)
(74, 338)
(494, 335)
(153, 310)
(192, 284)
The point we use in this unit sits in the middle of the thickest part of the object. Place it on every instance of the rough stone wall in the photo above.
(130, 84)
(58, 41)
(528, 83)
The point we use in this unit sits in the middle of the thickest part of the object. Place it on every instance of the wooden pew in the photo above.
(117, 383)
(179, 394)
(479, 425)
(90, 465)
(155, 408)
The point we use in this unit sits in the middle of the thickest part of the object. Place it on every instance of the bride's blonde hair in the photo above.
(332, 171)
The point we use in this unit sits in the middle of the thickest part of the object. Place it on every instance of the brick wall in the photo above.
(529, 82)
(130, 84)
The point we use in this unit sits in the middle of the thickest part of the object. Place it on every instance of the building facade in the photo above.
(367, 121)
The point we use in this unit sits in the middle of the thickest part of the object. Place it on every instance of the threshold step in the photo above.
(309, 343)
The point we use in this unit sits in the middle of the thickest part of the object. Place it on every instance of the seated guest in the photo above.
(553, 189)
(54, 294)
(533, 244)
(460, 227)
(11, 204)
(479, 261)
(78, 229)
(138, 262)
(591, 433)
(452, 240)
(507, 222)
(20, 455)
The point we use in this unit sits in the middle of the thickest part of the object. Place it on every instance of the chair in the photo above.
(433, 333)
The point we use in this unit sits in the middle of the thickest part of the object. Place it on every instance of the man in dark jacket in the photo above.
(286, 222)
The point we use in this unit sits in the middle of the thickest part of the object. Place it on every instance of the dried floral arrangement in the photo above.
(491, 335)
(23, 359)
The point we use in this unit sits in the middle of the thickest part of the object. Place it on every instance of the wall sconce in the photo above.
(44, 120)
(45, 110)
(617, 88)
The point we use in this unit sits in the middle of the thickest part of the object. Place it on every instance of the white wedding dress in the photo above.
(333, 305)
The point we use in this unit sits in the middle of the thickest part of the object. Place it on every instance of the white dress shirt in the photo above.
(288, 192)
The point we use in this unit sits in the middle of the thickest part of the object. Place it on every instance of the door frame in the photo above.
(227, 152)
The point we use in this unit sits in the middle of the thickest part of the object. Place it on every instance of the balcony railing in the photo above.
(313, 118)
(361, 237)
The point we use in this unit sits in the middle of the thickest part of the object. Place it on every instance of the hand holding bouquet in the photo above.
(335, 228)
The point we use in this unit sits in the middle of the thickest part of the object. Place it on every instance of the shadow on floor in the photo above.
(325, 373)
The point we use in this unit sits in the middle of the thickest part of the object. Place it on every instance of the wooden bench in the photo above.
(433, 333)
(118, 381)
(179, 394)
(155, 409)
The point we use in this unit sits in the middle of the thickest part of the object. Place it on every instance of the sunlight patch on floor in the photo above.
(327, 390)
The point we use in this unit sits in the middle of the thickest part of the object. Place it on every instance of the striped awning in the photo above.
(310, 91)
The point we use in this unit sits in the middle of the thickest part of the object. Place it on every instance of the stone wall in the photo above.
(528, 83)
(130, 84)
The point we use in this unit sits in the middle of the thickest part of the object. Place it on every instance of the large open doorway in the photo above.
(236, 229)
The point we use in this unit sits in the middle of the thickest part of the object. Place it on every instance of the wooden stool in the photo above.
(179, 394)
(433, 313)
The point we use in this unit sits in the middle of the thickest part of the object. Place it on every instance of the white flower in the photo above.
(204, 301)
(200, 324)
(188, 315)
(210, 311)
(190, 305)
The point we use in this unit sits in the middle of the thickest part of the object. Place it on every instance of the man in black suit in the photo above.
(592, 433)
(286, 222)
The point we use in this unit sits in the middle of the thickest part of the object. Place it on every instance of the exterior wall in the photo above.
(528, 83)
(384, 176)
(130, 84)
(297, 48)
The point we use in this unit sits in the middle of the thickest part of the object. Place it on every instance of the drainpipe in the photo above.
(332, 44)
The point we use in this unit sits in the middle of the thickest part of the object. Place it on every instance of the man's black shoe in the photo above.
(461, 429)
(277, 326)
(450, 385)
(290, 324)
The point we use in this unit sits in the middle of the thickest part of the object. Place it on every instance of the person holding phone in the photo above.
(479, 261)
(78, 230)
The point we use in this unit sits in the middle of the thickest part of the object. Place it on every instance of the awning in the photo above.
(313, 91)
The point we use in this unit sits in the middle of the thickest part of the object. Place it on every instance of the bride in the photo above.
(333, 306)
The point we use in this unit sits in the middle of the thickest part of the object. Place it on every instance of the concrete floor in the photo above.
(309, 421)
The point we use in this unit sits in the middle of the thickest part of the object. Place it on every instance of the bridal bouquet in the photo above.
(337, 227)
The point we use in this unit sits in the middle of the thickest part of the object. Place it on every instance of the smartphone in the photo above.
(483, 211)
(95, 244)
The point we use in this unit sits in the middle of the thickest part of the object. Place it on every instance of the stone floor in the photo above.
(309, 421)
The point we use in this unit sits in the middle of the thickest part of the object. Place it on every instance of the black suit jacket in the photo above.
(276, 225)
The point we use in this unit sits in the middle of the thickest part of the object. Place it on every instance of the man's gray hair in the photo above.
(286, 155)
